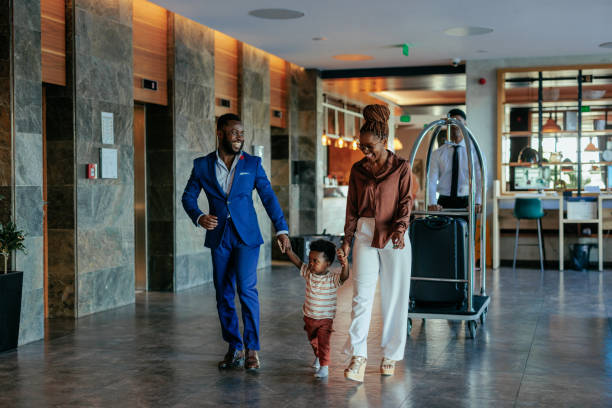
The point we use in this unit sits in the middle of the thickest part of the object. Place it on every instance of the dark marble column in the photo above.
(194, 136)
(60, 138)
(105, 207)
(160, 197)
(254, 101)
(6, 138)
(60, 198)
(22, 150)
(308, 156)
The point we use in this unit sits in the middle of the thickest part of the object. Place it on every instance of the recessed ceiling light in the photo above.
(276, 14)
(353, 57)
(319, 39)
(467, 31)
(606, 45)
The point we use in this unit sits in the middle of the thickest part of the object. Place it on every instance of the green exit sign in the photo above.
(405, 118)
(586, 109)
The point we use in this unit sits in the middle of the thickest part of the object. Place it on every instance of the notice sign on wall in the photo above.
(108, 136)
(108, 161)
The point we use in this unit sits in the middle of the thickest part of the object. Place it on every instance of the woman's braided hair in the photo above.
(376, 118)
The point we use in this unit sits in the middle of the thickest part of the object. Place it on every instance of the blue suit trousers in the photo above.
(235, 268)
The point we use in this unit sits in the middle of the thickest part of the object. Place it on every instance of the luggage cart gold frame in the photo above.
(477, 305)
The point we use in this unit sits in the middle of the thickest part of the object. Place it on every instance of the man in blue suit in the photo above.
(228, 177)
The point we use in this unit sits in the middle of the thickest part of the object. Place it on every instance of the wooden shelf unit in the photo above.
(519, 87)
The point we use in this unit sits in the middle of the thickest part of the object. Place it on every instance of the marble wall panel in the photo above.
(60, 158)
(21, 150)
(254, 101)
(6, 142)
(32, 322)
(28, 159)
(104, 80)
(28, 105)
(61, 195)
(101, 249)
(193, 270)
(161, 272)
(194, 136)
(309, 158)
(61, 279)
(280, 173)
(160, 200)
(27, 65)
(105, 289)
(195, 102)
(160, 197)
(105, 217)
(29, 212)
(26, 13)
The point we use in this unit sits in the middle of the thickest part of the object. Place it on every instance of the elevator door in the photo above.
(140, 198)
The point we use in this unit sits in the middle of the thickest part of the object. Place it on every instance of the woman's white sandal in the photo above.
(387, 366)
(356, 369)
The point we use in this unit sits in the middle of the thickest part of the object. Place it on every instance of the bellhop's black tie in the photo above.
(455, 174)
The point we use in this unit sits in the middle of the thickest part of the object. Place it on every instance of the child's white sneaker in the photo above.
(315, 364)
(322, 372)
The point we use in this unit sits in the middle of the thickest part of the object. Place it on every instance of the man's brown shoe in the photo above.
(233, 359)
(252, 360)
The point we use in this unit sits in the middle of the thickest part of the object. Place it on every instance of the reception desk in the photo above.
(552, 202)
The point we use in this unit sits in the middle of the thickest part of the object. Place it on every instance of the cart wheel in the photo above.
(483, 317)
(472, 328)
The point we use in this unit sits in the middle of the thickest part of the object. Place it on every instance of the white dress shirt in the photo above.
(225, 178)
(441, 172)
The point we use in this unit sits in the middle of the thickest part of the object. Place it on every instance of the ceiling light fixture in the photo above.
(353, 57)
(276, 14)
(467, 31)
(606, 45)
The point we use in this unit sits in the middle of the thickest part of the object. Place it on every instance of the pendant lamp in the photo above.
(550, 126)
(397, 144)
(591, 147)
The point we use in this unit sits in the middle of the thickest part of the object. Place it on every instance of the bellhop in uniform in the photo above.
(449, 171)
(228, 177)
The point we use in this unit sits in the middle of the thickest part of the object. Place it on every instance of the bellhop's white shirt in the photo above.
(441, 172)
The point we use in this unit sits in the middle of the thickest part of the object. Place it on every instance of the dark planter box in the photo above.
(10, 309)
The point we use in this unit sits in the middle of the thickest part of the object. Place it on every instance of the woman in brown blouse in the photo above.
(377, 217)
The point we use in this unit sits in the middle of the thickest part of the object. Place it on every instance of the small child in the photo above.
(320, 301)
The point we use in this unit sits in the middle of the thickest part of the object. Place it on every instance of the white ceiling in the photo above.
(523, 28)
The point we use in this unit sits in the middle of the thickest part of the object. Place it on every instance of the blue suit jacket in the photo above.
(249, 175)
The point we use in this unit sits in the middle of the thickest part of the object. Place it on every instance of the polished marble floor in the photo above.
(547, 343)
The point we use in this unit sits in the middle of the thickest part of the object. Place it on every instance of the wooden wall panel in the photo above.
(226, 73)
(278, 91)
(150, 38)
(53, 41)
(340, 162)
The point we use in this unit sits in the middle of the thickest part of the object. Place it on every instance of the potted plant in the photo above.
(11, 240)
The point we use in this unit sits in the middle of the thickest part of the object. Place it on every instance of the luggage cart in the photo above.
(476, 305)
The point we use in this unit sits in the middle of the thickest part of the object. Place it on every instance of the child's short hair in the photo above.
(328, 248)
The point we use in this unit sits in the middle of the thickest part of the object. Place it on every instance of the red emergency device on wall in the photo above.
(92, 171)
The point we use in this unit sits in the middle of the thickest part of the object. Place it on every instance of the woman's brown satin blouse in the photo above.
(386, 196)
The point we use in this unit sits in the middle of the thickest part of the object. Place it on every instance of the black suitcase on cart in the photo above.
(439, 250)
